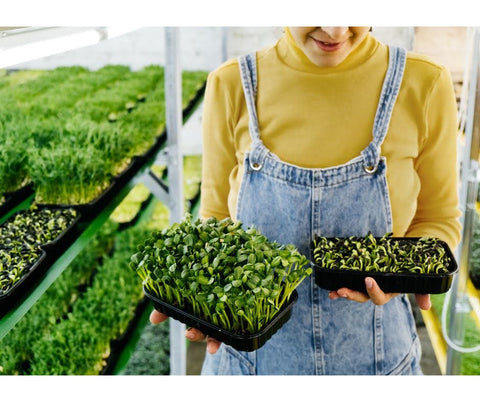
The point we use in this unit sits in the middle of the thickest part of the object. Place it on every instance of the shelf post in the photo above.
(459, 305)
(173, 97)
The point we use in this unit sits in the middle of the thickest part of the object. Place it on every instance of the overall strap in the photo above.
(391, 86)
(248, 74)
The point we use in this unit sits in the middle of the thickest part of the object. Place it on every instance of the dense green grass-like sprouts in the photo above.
(70, 131)
(232, 277)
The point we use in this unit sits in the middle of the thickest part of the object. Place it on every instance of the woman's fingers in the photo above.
(156, 317)
(192, 334)
(349, 294)
(423, 301)
(374, 293)
(195, 335)
(212, 345)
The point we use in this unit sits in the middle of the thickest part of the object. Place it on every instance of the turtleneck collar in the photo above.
(294, 57)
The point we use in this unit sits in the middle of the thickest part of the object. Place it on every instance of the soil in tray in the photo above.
(398, 264)
(243, 342)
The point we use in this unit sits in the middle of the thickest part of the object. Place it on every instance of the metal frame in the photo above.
(170, 195)
(459, 304)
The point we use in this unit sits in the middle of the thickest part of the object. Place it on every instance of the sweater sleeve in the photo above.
(437, 205)
(218, 159)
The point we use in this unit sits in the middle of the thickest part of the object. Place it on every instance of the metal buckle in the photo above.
(370, 169)
(255, 166)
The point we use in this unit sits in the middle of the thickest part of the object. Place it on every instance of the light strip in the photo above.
(37, 50)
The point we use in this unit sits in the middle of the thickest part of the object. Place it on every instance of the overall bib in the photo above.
(289, 204)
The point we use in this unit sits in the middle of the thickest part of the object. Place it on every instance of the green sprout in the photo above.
(386, 254)
(220, 272)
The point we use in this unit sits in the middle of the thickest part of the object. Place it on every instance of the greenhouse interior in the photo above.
(114, 118)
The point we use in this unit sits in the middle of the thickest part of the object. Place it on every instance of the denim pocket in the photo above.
(410, 365)
(234, 362)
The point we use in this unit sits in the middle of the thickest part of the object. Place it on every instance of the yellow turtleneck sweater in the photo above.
(317, 117)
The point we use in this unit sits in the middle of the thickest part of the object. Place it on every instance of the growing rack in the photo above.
(447, 325)
(169, 155)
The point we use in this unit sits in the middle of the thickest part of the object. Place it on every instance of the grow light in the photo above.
(35, 43)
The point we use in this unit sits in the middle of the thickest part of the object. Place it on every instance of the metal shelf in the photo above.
(31, 43)
(88, 229)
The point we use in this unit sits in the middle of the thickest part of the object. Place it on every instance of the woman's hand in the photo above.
(192, 334)
(376, 295)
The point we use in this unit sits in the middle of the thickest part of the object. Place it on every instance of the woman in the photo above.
(331, 132)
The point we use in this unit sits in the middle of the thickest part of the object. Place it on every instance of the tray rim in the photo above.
(31, 270)
(247, 342)
(442, 281)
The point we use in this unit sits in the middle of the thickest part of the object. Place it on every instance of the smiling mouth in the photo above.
(328, 46)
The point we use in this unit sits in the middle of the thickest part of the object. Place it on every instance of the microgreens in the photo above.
(386, 254)
(220, 272)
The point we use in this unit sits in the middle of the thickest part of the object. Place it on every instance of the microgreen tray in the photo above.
(23, 285)
(246, 343)
(89, 209)
(333, 278)
(62, 237)
(57, 247)
(156, 145)
(193, 101)
(12, 199)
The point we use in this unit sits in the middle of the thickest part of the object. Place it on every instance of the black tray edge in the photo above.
(19, 289)
(246, 343)
(331, 279)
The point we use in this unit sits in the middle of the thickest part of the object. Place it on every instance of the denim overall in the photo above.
(289, 204)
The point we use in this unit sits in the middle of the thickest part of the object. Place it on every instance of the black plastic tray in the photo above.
(90, 209)
(57, 247)
(246, 343)
(134, 220)
(128, 172)
(62, 237)
(22, 287)
(156, 145)
(13, 199)
(193, 101)
(389, 282)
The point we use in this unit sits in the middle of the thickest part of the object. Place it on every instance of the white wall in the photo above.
(200, 48)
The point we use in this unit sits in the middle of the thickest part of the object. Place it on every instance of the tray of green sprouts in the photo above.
(398, 264)
(231, 283)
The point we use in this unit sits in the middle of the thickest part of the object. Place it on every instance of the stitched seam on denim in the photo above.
(223, 363)
(406, 361)
(258, 153)
(317, 329)
(386, 193)
(329, 171)
(283, 182)
(316, 196)
(241, 358)
(243, 184)
(398, 60)
(378, 339)
(388, 97)
(247, 90)
(252, 67)
(278, 170)
(348, 180)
